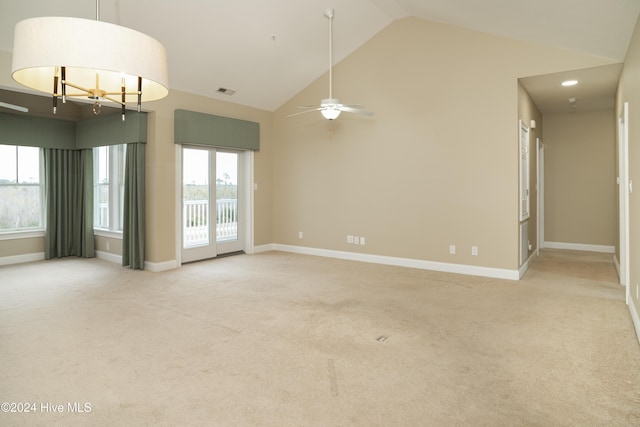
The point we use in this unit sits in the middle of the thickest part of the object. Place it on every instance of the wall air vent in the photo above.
(226, 91)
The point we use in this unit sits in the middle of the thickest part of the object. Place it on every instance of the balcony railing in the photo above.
(195, 225)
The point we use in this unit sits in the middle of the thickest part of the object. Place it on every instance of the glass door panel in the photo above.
(211, 214)
(196, 212)
(228, 208)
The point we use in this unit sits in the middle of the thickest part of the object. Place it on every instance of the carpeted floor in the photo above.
(279, 339)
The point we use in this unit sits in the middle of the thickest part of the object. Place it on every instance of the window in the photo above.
(108, 187)
(21, 195)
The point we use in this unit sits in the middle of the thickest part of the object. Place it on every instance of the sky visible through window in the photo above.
(196, 170)
(28, 164)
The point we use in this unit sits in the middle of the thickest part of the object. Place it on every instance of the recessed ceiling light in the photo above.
(570, 83)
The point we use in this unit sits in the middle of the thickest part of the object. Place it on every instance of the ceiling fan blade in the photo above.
(14, 107)
(305, 111)
(350, 109)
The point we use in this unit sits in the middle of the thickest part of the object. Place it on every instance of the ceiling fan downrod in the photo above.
(329, 15)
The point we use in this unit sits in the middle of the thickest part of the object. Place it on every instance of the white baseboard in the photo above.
(580, 247)
(19, 259)
(263, 248)
(157, 267)
(525, 266)
(616, 264)
(634, 317)
(471, 270)
(107, 256)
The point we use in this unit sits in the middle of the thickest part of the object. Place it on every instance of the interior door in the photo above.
(211, 206)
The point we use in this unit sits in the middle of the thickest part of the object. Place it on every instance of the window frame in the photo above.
(28, 232)
(115, 169)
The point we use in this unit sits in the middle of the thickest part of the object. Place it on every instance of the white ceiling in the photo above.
(267, 51)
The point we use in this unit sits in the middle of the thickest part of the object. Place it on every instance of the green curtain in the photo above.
(69, 203)
(133, 230)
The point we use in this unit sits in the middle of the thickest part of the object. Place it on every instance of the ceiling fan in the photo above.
(331, 107)
(14, 107)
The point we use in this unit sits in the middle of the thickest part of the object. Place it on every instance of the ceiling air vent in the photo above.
(226, 91)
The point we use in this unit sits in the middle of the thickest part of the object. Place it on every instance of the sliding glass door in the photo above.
(211, 207)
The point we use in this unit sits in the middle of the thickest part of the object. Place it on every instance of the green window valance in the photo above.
(207, 129)
(36, 132)
(63, 134)
(101, 131)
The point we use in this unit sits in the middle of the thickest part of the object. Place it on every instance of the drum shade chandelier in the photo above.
(74, 57)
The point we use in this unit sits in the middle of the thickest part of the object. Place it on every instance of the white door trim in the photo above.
(247, 194)
(540, 188)
(624, 189)
(178, 204)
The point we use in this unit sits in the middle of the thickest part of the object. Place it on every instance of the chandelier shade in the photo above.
(85, 58)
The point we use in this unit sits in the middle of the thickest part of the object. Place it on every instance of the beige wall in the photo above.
(111, 245)
(629, 91)
(437, 164)
(580, 186)
(15, 247)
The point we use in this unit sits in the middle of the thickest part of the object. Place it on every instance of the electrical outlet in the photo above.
(452, 249)
(356, 240)
(349, 238)
(474, 250)
(299, 234)
(362, 240)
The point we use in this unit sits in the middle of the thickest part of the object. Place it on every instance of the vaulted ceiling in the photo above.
(267, 51)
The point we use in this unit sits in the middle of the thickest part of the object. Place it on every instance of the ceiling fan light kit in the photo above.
(330, 108)
(93, 59)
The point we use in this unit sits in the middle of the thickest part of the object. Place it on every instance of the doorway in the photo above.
(212, 203)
